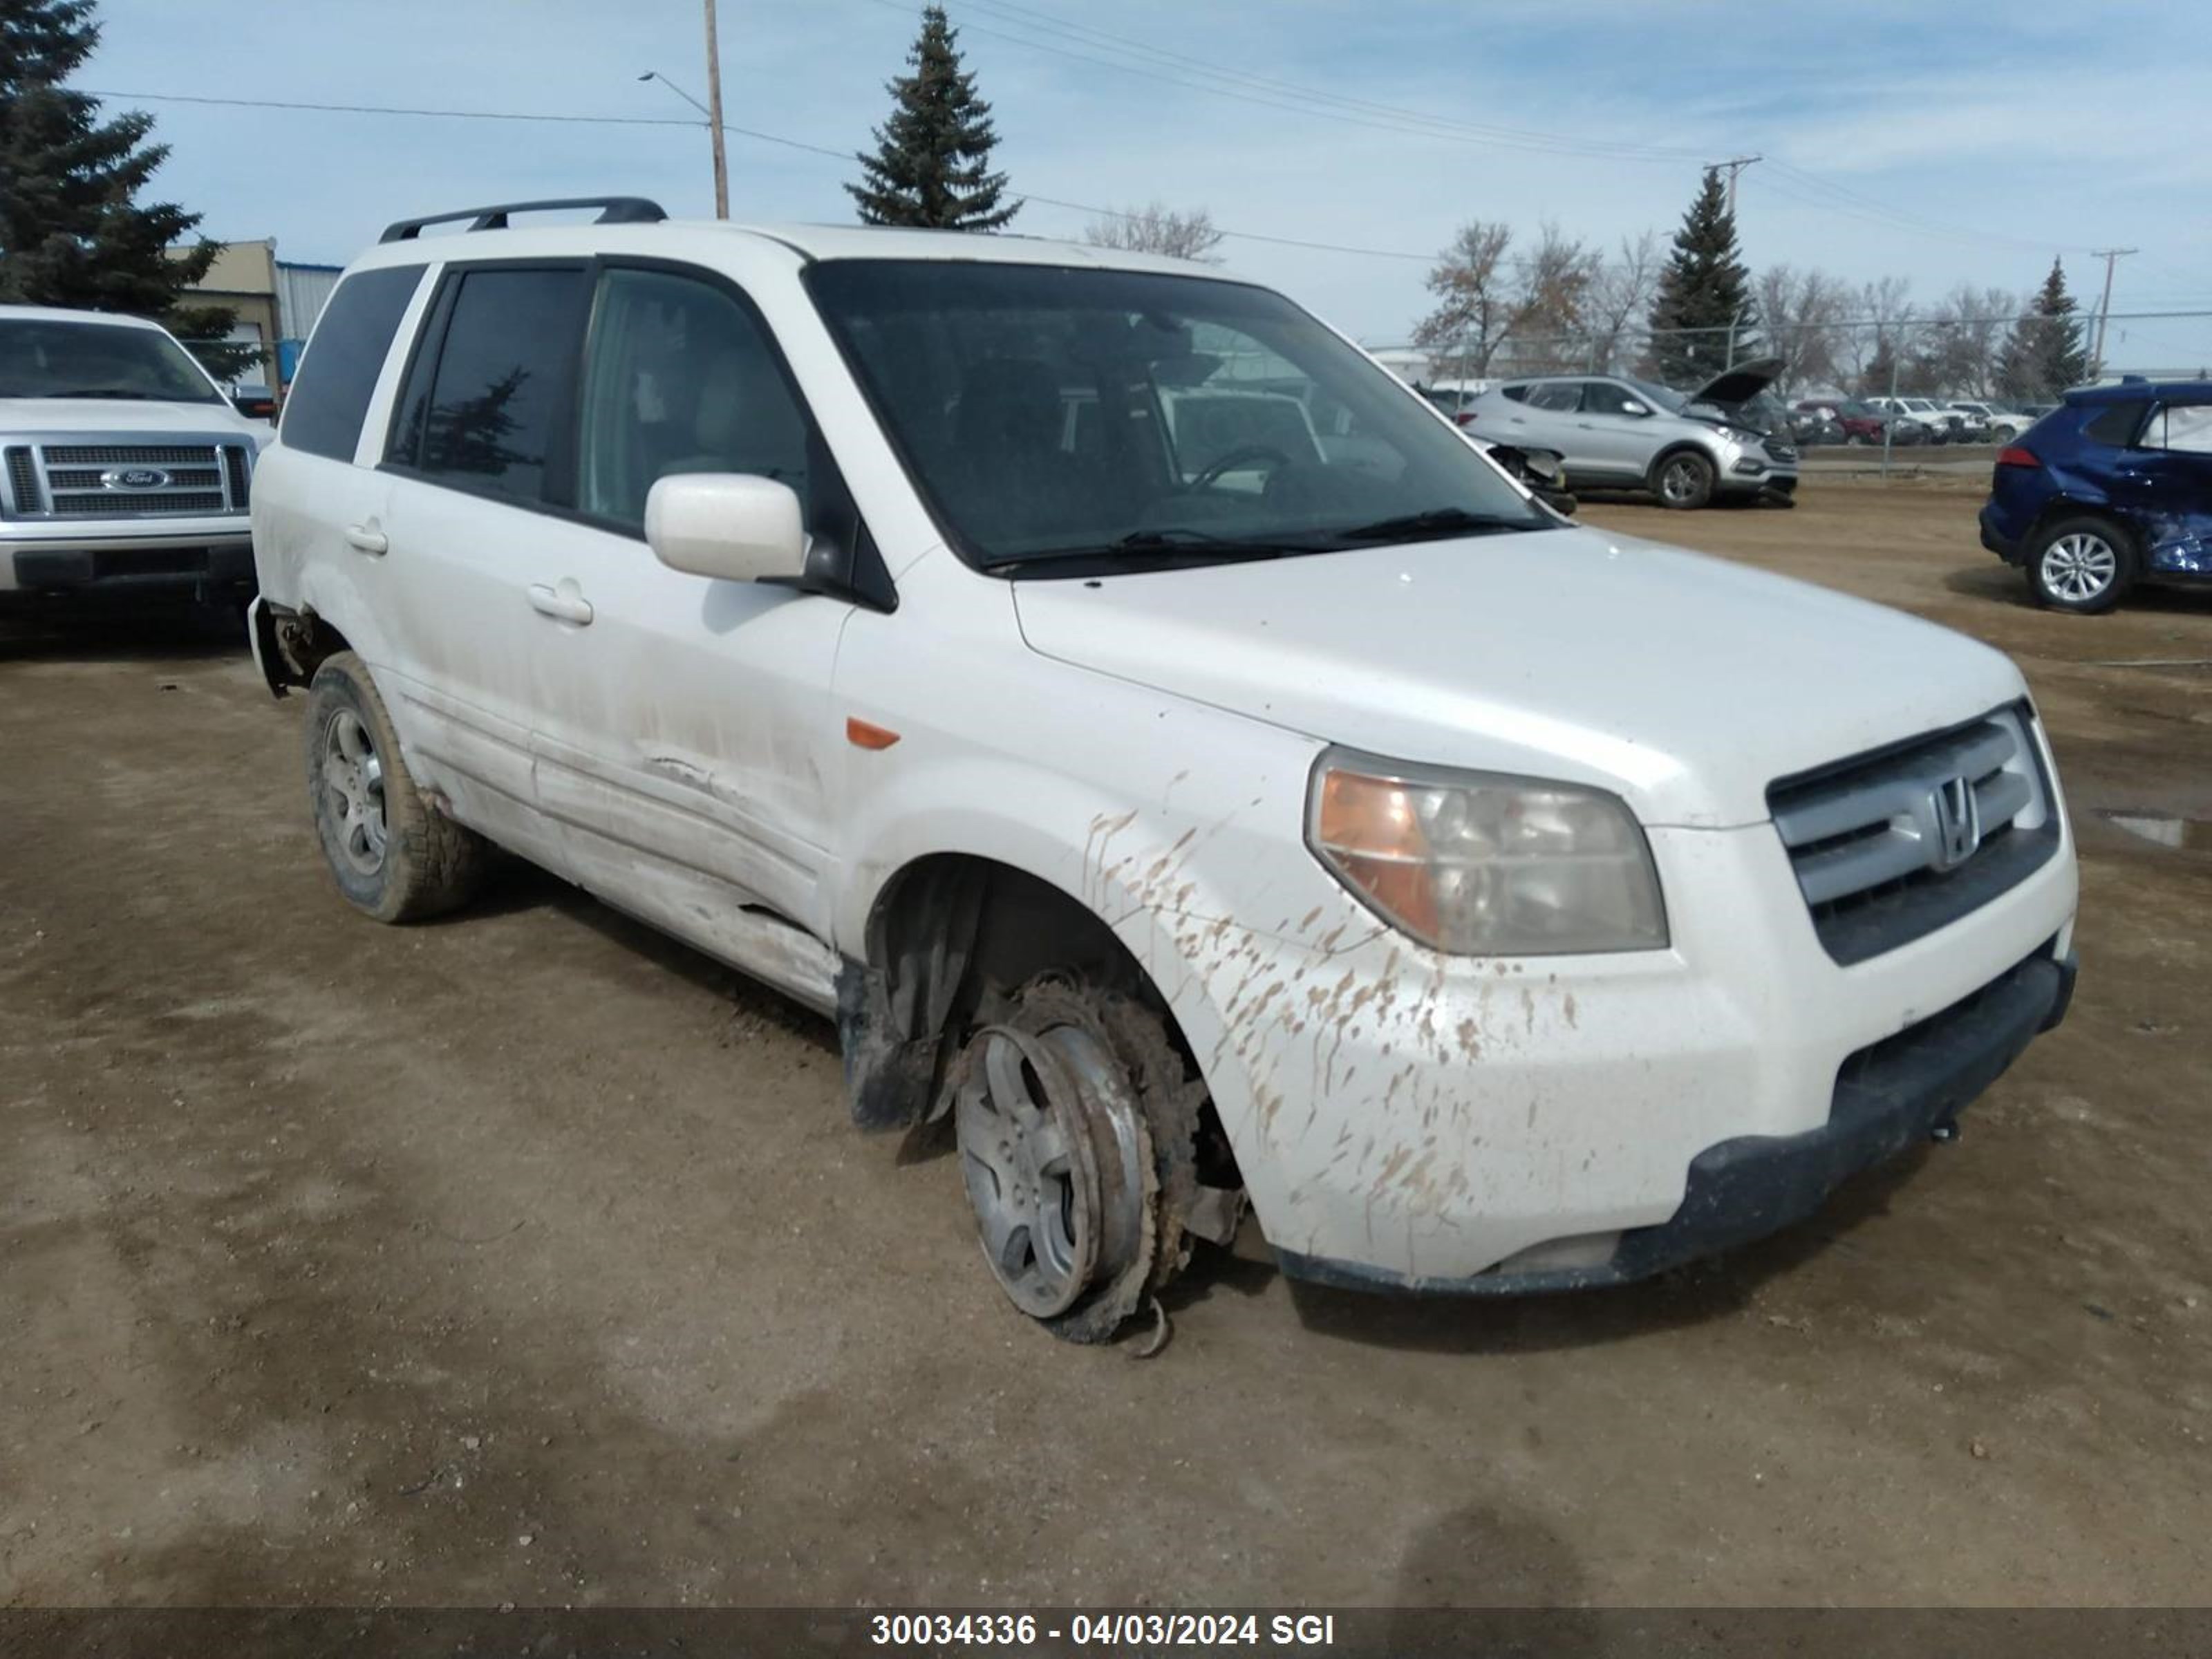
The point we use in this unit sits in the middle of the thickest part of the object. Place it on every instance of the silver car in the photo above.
(1617, 432)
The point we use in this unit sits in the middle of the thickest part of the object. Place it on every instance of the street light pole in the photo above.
(714, 117)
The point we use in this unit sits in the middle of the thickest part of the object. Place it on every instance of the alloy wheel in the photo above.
(2080, 566)
(353, 779)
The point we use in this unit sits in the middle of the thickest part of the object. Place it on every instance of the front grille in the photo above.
(88, 477)
(23, 483)
(1890, 846)
(1778, 451)
(59, 478)
(105, 504)
(238, 474)
(128, 454)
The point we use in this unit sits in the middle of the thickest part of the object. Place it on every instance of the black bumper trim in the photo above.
(1888, 1095)
(189, 565)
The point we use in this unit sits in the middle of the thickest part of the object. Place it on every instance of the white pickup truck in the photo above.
(123, 469)
(1495, 905)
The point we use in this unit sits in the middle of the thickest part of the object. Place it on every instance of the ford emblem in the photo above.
(135, 477)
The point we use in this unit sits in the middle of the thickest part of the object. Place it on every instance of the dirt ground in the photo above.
(529, 1258)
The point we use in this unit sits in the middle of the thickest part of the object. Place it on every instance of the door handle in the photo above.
(367, 538)
(563, 602)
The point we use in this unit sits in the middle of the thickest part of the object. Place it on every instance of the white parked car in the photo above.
(1496, 905)
(1991, 422)
(123, 468)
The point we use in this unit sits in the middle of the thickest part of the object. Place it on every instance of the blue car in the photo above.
(2111, 488)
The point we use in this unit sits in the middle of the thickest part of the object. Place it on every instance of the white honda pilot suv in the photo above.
(1164, 744)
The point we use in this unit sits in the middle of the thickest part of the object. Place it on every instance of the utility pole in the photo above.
(2105, 306)
(714, 117)
(1735, 165)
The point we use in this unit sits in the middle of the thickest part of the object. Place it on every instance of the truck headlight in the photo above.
(1482, 864)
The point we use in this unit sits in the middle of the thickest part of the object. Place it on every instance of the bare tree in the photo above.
(1956, 351)
(1550, 299)
(1157, 228)
(1799, 310)
(1883, 308)
(1473, 308)
(1620, 294)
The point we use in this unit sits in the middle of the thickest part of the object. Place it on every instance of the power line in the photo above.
(1833, 197)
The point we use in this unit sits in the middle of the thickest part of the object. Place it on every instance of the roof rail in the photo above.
(614, 210)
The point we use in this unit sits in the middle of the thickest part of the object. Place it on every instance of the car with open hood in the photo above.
(1187, 771)
(1618, 432)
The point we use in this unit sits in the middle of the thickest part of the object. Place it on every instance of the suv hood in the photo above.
(1740, 384)
(1683, 683)
(43, 415)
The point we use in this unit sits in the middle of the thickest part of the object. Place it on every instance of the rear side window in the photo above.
(2115, 424)
(337, 376)
(1563, 397)
(483, 411)
(2186, 427)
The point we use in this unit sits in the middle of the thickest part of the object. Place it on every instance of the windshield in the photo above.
(47, 359)
(1053, 418)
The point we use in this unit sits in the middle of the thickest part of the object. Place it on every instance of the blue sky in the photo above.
(1933, 140)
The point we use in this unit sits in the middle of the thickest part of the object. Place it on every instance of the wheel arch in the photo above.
(948, 937)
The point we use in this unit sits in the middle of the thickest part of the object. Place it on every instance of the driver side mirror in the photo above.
(1630, 406)
(733, 527)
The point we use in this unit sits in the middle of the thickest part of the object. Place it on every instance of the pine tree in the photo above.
(71, 231)
(931, 163)
(2044, 353)
(1705, 286)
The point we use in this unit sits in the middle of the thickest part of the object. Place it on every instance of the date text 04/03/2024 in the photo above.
(1130, 1628)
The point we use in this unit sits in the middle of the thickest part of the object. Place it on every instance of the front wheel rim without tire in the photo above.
(353, 784)
(1052, 1158)
(2080, 567)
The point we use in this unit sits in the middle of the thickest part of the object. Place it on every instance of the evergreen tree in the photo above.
(1706, 287)
(71, 231)
(931, 165)
(2044, 353)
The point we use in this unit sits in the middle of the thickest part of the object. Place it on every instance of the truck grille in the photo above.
(59, 479)
(1890, 846)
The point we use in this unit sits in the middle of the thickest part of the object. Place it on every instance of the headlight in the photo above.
(1480, 864)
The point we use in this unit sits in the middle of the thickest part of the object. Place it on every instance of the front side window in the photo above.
(42, 358)
(1055, 415)
(484, 414)
(338, 377)
(1604, 398)
(679, 378)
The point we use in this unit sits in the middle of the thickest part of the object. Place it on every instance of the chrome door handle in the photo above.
(563, 602)
(367, 538)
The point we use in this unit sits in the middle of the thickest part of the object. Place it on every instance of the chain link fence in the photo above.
(1941, 357)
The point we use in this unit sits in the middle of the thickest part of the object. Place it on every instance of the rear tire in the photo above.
(2085, 564)
(390, 853)
(1682, 480)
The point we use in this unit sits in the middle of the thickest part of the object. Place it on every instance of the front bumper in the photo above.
(89, 564)
(1905, 1089)
(1428, 1123)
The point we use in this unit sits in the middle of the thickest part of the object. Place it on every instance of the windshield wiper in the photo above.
(1436, 521)
(1172, 543)
(98, 391)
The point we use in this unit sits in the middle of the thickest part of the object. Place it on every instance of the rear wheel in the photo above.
(390, 853)
(2084, 564)
(1683, 479)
